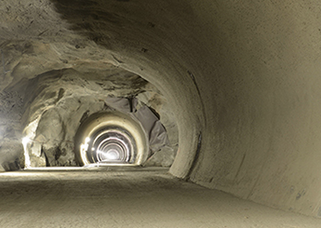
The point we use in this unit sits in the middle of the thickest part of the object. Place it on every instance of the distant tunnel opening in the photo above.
(111, 138)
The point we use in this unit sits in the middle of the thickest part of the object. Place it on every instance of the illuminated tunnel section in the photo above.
(112, 146)
(127, 134)
(111, 138)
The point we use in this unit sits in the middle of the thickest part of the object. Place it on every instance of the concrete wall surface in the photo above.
(243, 79)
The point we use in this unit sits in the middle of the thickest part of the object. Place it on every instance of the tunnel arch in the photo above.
(244, 75)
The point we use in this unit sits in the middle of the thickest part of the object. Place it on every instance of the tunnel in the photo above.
(222, 95)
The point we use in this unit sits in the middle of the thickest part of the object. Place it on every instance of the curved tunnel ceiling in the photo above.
(242, 78)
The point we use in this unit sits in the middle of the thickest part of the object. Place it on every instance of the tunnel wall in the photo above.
(242, 78)
(260, 83)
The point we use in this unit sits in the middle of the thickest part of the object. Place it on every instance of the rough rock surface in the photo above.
(48, 108)
(62, 106)
(53, 77)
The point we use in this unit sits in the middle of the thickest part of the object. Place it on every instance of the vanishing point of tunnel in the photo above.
(136, 113)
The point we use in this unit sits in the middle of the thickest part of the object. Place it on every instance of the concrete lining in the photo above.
(244, 73)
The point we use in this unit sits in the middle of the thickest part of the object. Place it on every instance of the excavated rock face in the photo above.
(55, 75)
(49, 107)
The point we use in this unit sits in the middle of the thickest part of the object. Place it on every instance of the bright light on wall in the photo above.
(83, 150)
(25, 142)
(111, 155)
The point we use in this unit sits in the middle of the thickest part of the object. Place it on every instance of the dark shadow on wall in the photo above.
(159, 37)
(126, 24)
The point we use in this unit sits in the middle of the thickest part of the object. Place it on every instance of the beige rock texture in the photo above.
(241, 80)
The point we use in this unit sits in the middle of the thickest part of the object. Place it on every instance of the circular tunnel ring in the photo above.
(111, 137)
(115, 147)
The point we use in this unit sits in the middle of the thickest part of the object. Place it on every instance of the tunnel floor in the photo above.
(127, 197)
